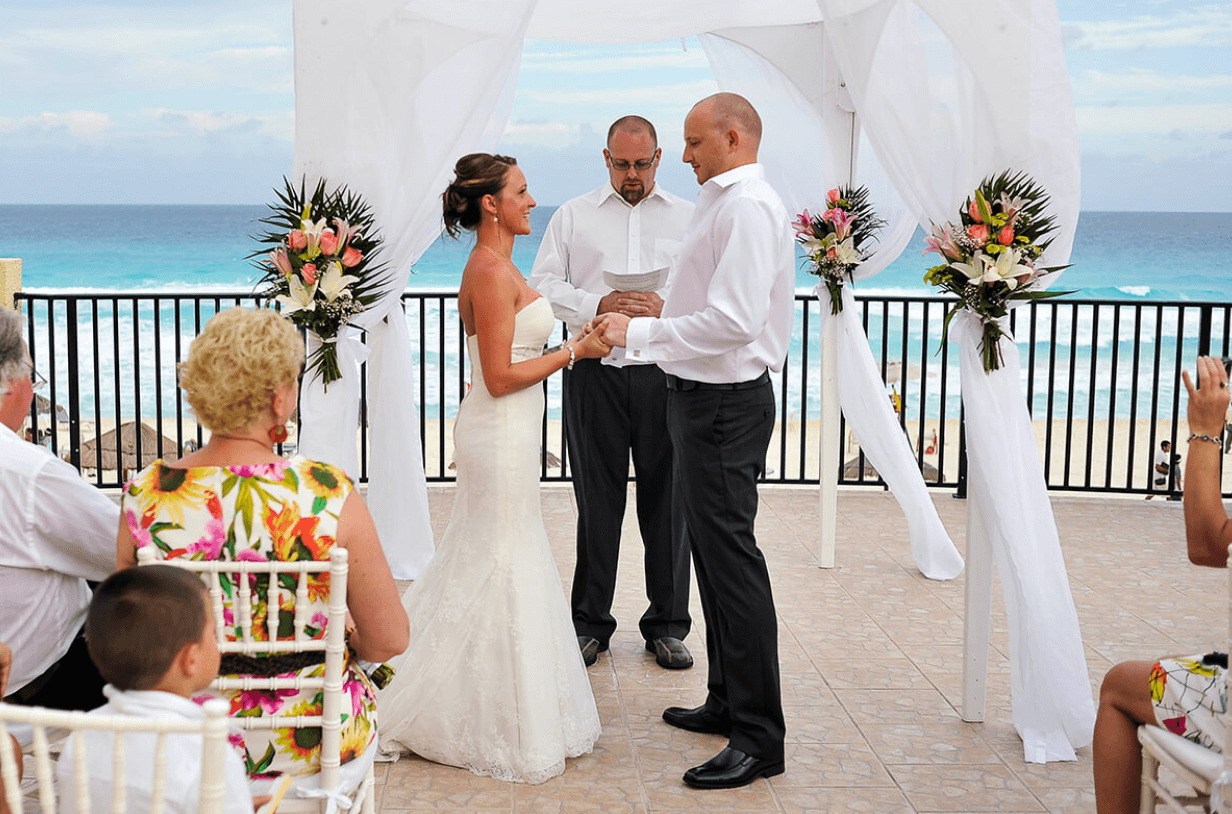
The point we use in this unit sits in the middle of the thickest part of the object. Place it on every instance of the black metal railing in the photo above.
(1101, 379)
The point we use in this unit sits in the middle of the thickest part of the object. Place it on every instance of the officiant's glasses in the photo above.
(640, 165)
(37, 382)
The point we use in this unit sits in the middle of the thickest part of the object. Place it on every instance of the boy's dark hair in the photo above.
(139, 621)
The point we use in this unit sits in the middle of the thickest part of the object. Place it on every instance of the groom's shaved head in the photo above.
(732, 111)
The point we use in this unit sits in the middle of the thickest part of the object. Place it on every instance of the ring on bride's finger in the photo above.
(1223, 385)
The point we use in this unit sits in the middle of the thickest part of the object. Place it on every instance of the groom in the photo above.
(725, 324)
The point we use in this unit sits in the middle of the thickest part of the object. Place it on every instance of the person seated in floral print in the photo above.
(1185, 695)
(235, 499)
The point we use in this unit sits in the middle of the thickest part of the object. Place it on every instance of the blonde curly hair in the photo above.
(235, 365)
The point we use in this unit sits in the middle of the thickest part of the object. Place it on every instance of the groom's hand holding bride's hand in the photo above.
(591, 344)
(613, 327)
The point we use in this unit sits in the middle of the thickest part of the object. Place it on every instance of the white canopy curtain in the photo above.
(391, 92)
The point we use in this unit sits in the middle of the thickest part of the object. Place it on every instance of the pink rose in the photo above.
(974, 211)
(833, 197)
(978, 233)
(351, 257)
(1006, 237)
(309, 273)
(297, 240)
(328, 242)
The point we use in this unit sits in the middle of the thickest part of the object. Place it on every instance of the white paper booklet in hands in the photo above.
(646, 281)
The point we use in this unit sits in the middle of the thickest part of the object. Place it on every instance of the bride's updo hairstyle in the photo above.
(475, 175)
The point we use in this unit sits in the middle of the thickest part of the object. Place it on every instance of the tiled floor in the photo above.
(871, 667)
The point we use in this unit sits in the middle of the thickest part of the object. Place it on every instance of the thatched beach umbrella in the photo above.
(851, 470)
(103, 455)
(42, 406)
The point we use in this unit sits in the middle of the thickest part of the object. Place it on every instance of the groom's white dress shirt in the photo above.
(601, 231)
(56, 531)
(728, 316)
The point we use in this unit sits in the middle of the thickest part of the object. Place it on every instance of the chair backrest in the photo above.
(212, 729)
(285, 579)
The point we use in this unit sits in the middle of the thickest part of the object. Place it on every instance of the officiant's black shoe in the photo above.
(699, 719)
(731, 769)
(591, 648)
(671, 653)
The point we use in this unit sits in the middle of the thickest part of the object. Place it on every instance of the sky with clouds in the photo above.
(169, 102)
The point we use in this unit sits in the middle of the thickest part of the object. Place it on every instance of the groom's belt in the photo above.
(677, 383)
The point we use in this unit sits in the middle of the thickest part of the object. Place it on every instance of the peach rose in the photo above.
(351, 257)
(297, 240)
(309, 273)
(328, 242)
(1006, 236)
(978, 233)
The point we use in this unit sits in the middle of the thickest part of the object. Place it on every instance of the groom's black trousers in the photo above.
(610, 412)
(720, 438)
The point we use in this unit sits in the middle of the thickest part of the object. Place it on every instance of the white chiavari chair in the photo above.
(333, 645)
(212, 729)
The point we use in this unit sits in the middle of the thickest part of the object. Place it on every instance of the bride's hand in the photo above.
(592, 346)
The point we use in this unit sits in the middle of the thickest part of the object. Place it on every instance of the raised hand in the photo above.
(1208, 402)
(592, 346)
(631, 304)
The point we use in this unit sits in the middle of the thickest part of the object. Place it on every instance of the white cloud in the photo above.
(278, 125)
(1201, 26)
(86, 123)
(1094, 86)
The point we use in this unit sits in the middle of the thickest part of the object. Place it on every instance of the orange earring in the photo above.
(278, 434)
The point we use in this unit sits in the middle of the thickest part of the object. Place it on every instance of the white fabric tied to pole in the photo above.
(862, 395)
(333, 406)
(1050, 689)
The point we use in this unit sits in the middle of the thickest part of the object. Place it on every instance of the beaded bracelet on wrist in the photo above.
(1214, 439)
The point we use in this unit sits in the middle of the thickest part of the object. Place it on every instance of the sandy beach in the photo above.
(1120, 456)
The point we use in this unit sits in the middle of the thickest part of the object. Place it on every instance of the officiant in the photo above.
(610, 251)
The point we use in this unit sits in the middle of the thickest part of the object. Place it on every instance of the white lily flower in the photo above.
(302, 297)
(1006, 269)
(312, 230)
(333, 283)
(974, 270)
(846, 253)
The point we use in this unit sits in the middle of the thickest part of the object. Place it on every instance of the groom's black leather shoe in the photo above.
(730, 769)
(671, 653)
(697, 720)
(591, 648)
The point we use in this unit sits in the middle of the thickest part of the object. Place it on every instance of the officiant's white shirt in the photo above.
(183, 778)
(728, 316)
(601, 231)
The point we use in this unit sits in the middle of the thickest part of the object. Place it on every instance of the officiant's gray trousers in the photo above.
(611, 412)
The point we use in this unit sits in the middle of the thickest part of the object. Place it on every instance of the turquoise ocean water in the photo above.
(1124, 256)
(1117, 255)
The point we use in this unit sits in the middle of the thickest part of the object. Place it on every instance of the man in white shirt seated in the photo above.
(616, 406)
(56, 532)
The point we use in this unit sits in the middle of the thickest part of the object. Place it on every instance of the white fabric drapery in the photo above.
(948, 97)
(1049, 686)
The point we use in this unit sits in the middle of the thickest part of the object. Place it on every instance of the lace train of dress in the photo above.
(493, 680)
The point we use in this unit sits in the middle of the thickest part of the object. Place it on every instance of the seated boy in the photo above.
(151, 635)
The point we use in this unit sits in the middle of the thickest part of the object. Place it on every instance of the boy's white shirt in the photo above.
(183, 773)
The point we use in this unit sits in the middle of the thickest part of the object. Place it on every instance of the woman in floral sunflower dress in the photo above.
(236, 499)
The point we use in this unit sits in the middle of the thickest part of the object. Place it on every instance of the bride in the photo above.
(493, 680)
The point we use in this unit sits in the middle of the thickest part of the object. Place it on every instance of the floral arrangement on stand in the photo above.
(838, 239)
(990, 254)
(318, 264)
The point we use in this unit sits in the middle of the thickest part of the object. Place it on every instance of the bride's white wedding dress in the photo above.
(493, 680)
